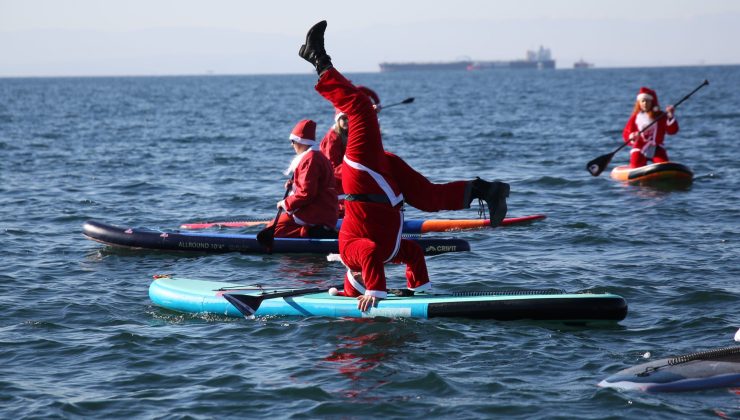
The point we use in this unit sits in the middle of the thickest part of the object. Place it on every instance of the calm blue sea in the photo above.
(80, 338)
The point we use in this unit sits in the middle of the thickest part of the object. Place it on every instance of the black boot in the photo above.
(494, 194)
(313, 50)
(401, 292)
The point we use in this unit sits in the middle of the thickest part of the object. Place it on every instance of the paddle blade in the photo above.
(266, 237)
(246, 304)
(597, 166)
(403, 102)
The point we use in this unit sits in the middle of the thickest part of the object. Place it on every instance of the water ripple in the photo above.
(80, 337)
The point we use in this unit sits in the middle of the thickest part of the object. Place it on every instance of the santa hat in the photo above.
(649, 94)
(304, 133)
(338, 114)
(370, 93)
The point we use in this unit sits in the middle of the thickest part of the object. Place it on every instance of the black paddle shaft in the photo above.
(248, 304)
(403, 102)
(597, 166)
(266, 237)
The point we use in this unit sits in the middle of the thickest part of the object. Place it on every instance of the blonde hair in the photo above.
(341, 131)
(651, 113)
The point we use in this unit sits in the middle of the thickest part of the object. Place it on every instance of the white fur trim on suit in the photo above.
(382, 183)
(335, 258)
(423, 288)
(377, 293)
(298, 158)
(642, 120)
(307, 142)
(382, 294)
(356, 284)
(398, 239)
(299, 221)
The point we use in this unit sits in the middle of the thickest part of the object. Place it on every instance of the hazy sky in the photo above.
(156, 37)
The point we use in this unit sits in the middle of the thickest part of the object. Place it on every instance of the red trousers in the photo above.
(371, 232)
(410, 252)
(638, 160)
(288, 228)
(419, 192)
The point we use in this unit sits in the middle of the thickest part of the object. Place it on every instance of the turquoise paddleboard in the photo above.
(199, 296)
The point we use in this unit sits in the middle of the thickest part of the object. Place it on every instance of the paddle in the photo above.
(224, 224)
(248, 304)
(597, 166)
(403, 102)
(266, 237)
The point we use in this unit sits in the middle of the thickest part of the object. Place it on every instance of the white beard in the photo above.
(297, 160)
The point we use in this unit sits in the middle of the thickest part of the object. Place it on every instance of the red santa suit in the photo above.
(649, 145)
(417, 190)
(313, 199)
(371, 230)
(332, 146)
(370, 94)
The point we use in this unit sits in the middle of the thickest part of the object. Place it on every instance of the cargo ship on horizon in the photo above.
(539, 60)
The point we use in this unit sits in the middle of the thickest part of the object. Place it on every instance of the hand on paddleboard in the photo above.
(366, 302)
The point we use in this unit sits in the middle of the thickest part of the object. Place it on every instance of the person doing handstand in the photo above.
(371, 231)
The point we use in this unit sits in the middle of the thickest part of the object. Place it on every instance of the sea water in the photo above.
(79, 336)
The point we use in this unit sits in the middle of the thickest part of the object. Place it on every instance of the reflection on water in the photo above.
(356, 356)
(307, 269)
(657, 190)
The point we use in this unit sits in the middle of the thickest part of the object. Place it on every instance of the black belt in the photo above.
(368, 198)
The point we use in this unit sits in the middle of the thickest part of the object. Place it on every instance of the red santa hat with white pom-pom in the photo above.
(647, 93)
(304, 133)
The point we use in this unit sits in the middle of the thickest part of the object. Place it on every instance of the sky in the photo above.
(177, 37)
